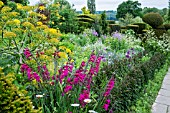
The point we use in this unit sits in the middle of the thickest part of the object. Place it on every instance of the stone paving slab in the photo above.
(163, 100)
(159, 108)
(168, 109)
(166, 86)
(166, 81)
(164, 92)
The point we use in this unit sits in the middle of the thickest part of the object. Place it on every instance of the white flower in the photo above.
(39, 96)
(92, 111)
(87, 100)
(75, 105)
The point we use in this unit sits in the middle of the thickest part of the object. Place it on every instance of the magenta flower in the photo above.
(109, 87)
(27, 53)
(106, 106)
(83, 96)
(67, 88)
(36, 76)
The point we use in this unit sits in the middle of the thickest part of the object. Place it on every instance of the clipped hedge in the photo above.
(131, 80)
(153, 19)
(114, 28)
(142, 26)
(125, 94)
(133, 27)
(167, 26)
(160, 30)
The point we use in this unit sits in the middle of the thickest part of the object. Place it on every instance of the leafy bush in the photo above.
(159, 31)
(167, 26)
(128, 89)
(153, 19)
(13, 100)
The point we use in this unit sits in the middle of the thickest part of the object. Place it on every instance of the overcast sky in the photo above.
(113, 4)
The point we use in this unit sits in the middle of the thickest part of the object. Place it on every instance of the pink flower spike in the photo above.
(105, 106)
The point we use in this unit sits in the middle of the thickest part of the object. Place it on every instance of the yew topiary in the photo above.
(153, 19)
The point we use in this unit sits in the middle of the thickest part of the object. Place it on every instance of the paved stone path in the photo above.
(162, 102)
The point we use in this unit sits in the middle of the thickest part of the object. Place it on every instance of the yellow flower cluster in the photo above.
(1, 4)
(42, 16)
(5, 9)
(53, 32)
(53, 40)
(41, 8)
(12, 14)
(19, 6)
(8, 34)
(62, 55)
(16, 21)
(39, 23)
(28, 25)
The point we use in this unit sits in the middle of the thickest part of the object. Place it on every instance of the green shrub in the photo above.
(160, 30)
(13, 100)
(167, 26)
(126, 93)
(142, 26)
(114, 28)
(153, 19)
(133, 27)
(111, 21)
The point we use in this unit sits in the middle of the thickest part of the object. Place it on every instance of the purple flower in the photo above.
(27, 53)
(117, 35)
(67, 88)
(94, 33)
(105, 106)
(109, 87)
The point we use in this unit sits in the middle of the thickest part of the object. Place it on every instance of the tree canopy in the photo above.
(131, 7)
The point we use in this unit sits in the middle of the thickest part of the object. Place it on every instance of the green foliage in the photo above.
(91, 6)
(131, 7)
(133, 27)
(167, 26)
(23, 2)
(128, 19)
(12, 99)
(114, 28)
(110, 21)
(128, 90)
(160, 30)
(148, 96)
(153, 19)
(104, 23)
(141, 27)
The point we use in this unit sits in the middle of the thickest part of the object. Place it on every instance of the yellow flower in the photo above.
(13, 14)
(28, 24)
(39, 23)
(4, 18)
(52, 22)
(27, 8)
(68, 51)
(5, 9)
(19, 6)
(62, 55)
(42, 27)
(1, 4)
(44, 57)
(41, 8)
(31, 13)
(62, 47)
(9, 34)
(54, 40)
(16, 21)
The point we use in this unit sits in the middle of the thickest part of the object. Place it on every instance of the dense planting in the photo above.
(59, 61)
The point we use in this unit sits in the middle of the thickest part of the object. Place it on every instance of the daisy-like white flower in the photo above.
(87, 100)
(39, 96)
(92, 111)
(75, 105)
